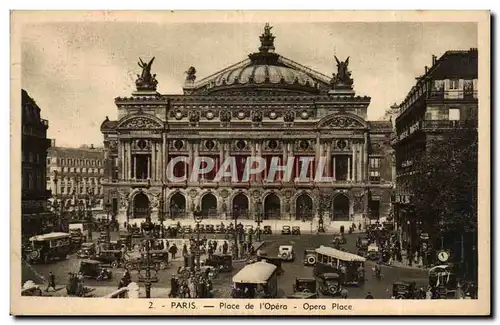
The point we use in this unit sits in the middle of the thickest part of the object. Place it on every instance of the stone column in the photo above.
(348, 168)
(122, 158)
(291, 153)
(259, 154)
(196, 153)
(354, 162)
(226, 156)
(318, 152)
(359, 156)
(148, 164)
(153, 161)
(189, 163)
(329, 171)
(134, 168)
(284, 158)
(164, 160)
(253, 153)
(129, 159)
(333, 172)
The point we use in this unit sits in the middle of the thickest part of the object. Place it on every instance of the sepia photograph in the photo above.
(250, 163)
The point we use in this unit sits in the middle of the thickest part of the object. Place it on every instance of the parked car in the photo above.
(209, 229)
(219, 229)
(286, 252)
(187, 229)
(286, 230)
(339, 239)
(295, 230)
(304, 288)
(267, 230)
(47, 247)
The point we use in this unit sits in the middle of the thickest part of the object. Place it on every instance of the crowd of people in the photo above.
(191, 284)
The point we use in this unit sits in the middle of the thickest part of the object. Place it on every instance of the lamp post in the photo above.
(147, 227)
(258, 217)
(236, 212)
(108, 211)
(161, 211)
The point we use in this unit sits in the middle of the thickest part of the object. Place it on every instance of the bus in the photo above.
(331, 260)
(257, 280)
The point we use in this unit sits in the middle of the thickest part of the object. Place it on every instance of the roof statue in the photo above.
(267, 40)
(342, 80)
(190, 74)
(146, 81)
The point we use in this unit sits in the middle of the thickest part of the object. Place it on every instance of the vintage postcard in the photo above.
(250, 163)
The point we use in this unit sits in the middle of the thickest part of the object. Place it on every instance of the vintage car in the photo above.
(209, 229)
(125, 239)
(444, 279)
(329, 283)
(362, 251)
(286, 253)
(136, 232)
(248, 229)
(363, 241)
(310, 257)
(403, 290)
(30, 288)
(224, 262)
(304, 288)
(47, 247)
(219, 229)
(295, 230)
(93, 269)
(200, 227)
(87, 250)
(372, 252)
(137, 261)
(109, 254)
(103, 237)
(286, 230)
(339, 239)
(76, 238)
(267, 230)
(257, 280)
(187, 229)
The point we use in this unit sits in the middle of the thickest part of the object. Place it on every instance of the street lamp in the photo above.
(258, 217)
(161, 211)
(147, 228)
(235, 216)
(108, 211)
(197, 219)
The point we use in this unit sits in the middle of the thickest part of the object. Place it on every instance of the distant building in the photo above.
(74, 176)
(443, 97)
(35, 213)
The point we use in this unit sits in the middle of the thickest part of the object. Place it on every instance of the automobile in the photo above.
(187, 229)
(329, 283)
(304, 288)
(267, 230)
(136, 231)
(201, 228)
(87, 250)
(295, 230)
(47, 247)
(372, 252)
(248, 229)
(125, 239)
(362, 251)
(76, 238)
(93, 269)
(109, 254)
(310, 257)
(339, 239)
(286, 252)
(224, 262)
(286, 230)
(30, 288)
(363, 241)
(103, 237)
(403, 290)
(209, 229)
(219, 229)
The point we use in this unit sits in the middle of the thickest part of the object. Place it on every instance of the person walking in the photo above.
(52, 282)
(173, 250)
(225, 247)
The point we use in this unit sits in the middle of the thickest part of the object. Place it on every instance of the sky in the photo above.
(75, 70)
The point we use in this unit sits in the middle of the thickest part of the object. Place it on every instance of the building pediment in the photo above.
(140, 122)
(342, 121)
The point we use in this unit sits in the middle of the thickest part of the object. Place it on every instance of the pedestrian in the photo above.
(173, 250)
(359, 226)
(52, 282)
(225, 247)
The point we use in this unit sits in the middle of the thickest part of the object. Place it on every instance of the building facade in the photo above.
(36, 215)
(74, 176)
(265, 106)
(444, 97)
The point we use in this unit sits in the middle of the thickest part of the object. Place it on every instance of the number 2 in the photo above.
(150, 305)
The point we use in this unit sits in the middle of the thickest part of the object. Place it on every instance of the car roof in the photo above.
(50, 236)
(306, 279)
(90, 262)
(329, 275)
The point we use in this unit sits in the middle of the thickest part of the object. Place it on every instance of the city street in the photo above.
(379, 288)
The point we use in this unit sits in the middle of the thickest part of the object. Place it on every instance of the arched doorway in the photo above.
(240, 205)
(177, 206)
(272, 207)
(209, 206)
(141, 206)
(340, 208)
(303, 207)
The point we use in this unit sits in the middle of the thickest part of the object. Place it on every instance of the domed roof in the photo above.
(263, 69)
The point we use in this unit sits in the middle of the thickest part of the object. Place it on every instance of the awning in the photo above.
(344, 256)
(258, 273)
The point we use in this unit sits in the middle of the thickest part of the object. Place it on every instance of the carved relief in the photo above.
(194, 118)
(225, 116)
(289, 117)
(123, 199)
(141, 123)
(256, 116)
(343, 122)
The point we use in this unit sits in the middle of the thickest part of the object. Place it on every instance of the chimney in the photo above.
(434, 59)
